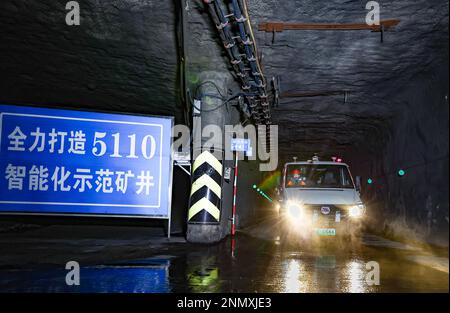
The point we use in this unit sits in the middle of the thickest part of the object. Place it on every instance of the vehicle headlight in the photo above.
(356, 211)
(294, 210)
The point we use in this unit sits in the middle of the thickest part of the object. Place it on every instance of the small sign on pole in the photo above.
(241, 145)
(238, 145)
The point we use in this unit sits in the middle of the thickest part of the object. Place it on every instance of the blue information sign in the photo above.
(240, 145)
(63, 161)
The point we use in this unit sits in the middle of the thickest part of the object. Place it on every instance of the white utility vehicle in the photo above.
(320, 198)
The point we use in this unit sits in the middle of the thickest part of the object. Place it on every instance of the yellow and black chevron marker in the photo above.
(206, 191)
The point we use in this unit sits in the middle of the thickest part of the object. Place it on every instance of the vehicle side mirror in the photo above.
(358, 183)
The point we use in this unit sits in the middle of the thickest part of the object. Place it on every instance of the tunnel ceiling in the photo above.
(124, 57)
(372, 72)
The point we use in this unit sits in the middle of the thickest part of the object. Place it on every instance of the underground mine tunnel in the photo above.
(319, 84)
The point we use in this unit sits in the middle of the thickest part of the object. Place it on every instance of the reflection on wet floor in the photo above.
(145, 276)
(315, 272)
(255, 265)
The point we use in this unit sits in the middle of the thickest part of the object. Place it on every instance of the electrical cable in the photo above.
(252, 35)
(206, 83)
(220, 97)
(246, 63)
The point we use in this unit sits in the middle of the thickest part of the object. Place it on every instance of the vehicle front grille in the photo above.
(333, 217)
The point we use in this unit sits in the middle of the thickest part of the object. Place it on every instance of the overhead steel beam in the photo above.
(280, 26)
(290, 94)
(311, 94)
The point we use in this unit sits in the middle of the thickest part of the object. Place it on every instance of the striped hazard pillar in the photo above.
(206, 191)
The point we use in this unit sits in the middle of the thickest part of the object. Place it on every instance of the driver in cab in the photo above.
(296, 179)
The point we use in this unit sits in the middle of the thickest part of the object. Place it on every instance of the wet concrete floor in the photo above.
(117, 259)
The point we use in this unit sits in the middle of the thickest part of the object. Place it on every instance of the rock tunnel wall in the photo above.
(416, 204)
(122, 57)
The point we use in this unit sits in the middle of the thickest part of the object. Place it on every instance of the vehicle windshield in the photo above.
(318, 176)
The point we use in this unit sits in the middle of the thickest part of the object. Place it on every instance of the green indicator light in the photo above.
(401, 173)
(370, 181)
(262, 193)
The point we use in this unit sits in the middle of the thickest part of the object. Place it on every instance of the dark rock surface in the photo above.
(415, 205)
(356, 61)
(122, 57)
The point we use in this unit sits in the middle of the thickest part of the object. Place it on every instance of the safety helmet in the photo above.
(296, 172)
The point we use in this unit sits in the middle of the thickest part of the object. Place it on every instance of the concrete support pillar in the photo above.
(208, 220)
